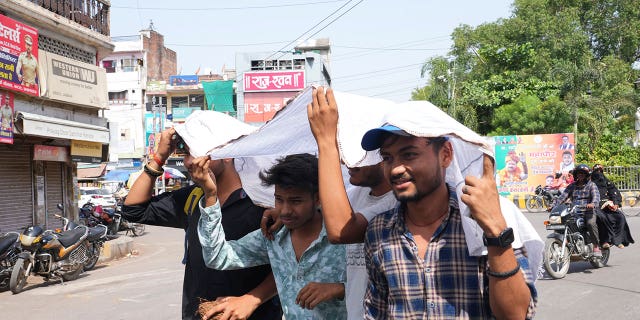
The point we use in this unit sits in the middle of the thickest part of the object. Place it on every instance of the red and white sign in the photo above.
(261, 106)
(50, 153)
(18, 57)
(274, 81)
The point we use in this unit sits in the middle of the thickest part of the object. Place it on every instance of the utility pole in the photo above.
(159, 110)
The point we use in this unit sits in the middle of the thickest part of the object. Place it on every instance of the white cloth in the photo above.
(369, 206)
(289, 133)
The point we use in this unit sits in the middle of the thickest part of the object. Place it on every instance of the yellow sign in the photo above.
(86, 148)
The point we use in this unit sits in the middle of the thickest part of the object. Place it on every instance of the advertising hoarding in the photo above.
(526, 161)
(18, 57)
(6, 114)
(73, 81)
(261, 106)
(273, 81)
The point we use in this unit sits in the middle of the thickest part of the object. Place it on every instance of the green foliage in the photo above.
(552, 63)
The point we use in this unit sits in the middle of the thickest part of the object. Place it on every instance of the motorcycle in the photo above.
(96, 237)
(568, 241)
(54, 256)
(542, 199)
(9, 249)
(93, 215)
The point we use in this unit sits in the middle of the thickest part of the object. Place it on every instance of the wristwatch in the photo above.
(503, 240)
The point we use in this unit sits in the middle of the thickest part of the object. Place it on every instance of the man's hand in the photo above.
(481, 195)
(270, 223)
(316, 292)
(323, 116)
(590, 206)
(234, 308)
(202, 176)
(166, 146)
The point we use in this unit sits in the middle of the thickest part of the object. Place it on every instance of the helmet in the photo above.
(582, 168)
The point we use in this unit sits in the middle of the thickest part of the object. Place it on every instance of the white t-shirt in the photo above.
(369, 206)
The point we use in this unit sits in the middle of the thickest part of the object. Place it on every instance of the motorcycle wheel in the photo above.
(556, 266)
(72, 275)
(602, 261)
(94, 255)
(534, 204)
(19, 276)
(136, 228)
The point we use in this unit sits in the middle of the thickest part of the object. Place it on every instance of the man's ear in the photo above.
(446, 154)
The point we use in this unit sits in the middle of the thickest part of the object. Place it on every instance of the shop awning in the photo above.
(219, 95)
(91, 172)
(50, 127)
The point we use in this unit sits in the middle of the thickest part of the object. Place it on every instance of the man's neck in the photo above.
(380, 189)
(227, 183)
(311, 229)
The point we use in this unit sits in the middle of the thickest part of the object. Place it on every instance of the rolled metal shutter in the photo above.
(16, 191)
(54, 188)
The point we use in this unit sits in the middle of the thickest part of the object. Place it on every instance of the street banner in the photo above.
(73, 81)
(273, 81)
(261, 106)
(6, 113)
(18, 57)
(526, 161)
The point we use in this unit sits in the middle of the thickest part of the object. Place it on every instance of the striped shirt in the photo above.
(447, 283)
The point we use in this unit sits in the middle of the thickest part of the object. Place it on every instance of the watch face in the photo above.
(506, 237)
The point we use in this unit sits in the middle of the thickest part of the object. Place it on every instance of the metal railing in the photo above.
(92, 14)
(625, 178)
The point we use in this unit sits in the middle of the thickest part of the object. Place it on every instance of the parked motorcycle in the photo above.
(568, 241)
(54, 256)
(542, 199)
(96, 236)
(93, 215)
(9, 249)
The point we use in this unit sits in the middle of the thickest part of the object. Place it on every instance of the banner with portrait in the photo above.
(526, 161)
(18, 57)
(6, 117)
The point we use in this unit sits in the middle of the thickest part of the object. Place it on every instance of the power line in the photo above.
(392, 49)
(317, 24)
(228, 8)
(224, 45)
(377, 71)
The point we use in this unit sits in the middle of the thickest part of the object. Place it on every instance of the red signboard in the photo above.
(50, 153)
(261, 106)
(274, 81)
(18, 57)
(6, 117)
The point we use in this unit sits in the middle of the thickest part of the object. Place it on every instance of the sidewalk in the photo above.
(116, 248)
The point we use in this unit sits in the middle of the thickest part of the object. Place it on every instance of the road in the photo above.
(148, 285)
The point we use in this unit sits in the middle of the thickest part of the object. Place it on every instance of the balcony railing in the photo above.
(92, 14)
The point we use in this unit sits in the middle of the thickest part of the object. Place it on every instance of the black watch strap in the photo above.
(503, 240)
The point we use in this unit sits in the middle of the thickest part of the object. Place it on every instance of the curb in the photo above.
(116, 248)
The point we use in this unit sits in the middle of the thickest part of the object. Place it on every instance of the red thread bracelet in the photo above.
(157, 160)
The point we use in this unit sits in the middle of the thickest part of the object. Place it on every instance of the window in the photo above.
(298, 64)
(109, 65)
(128, 65)
(285, 64)
(118, 97)
(257, 65)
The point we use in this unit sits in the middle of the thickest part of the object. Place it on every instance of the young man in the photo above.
(308, 270)
(179, 209)
(417, 256)
(347, 214)
(567, 162)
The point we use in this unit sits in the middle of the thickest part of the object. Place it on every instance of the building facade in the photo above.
(139, 65)
(52, 95)
(267, 80)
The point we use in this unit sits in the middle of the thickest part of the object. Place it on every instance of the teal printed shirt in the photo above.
(321, 262)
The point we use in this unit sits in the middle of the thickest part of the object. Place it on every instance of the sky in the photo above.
(377, 46)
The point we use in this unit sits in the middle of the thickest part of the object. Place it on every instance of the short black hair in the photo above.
(567, 152)
(293, 171)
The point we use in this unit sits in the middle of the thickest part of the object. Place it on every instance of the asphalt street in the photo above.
(148, 284)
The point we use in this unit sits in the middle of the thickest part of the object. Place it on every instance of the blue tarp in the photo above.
(119, 174)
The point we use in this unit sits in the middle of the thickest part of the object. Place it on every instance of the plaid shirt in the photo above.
(447, 283)
(581, 196)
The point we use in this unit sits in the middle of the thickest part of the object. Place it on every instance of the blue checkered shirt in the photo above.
(447, 283)
(581, 196)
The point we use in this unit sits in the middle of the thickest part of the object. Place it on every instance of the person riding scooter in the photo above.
(583, 192)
